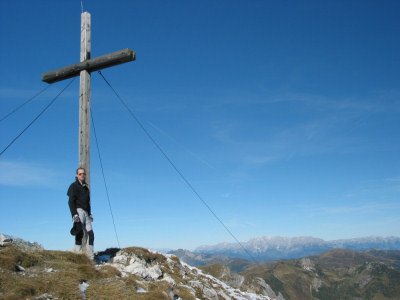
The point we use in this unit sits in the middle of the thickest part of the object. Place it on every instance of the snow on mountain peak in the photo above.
(279, 247)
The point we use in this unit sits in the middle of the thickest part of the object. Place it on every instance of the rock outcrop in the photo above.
(155, 267)
(20, 243)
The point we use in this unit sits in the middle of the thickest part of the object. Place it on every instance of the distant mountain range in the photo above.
(269, 248)
(333, 275)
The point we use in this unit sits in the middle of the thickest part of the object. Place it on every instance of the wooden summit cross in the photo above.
(83, 69)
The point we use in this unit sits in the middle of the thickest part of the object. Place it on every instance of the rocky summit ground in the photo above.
(130, 273)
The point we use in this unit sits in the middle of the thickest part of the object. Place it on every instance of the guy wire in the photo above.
(26, 102)
(176, 168)
(104, 178)
(37, 117)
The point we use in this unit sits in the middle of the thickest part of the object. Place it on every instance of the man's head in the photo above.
(80, 174)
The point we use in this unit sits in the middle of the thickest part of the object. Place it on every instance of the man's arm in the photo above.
(72, 201)
(89, 206)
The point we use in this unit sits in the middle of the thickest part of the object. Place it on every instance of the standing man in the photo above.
(79, 204)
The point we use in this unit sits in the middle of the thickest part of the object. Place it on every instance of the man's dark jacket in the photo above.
(79, 197)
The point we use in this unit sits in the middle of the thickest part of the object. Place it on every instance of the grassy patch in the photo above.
(11, 256)
(175, 259)
(146, 255)
(184, 293)
(54, 272)
(214, 269)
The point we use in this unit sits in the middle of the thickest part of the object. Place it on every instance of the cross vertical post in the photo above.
(83, 70)
(84, 98)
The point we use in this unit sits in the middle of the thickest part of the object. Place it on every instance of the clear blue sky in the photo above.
(284, 115)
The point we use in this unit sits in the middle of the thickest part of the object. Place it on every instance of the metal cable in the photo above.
(104, 178)
(37, 117)
(176, 168)
(26, 102)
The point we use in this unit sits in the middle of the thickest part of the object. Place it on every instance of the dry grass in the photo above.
(11, 256)
(125, 289)
(111, 288)
(59, 273)
(214, 269)
(68, 271)
(184, 293)
(175, 259)
(146, 255)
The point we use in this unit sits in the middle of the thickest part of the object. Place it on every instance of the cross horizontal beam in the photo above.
(90, 65)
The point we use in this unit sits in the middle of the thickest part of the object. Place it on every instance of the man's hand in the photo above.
(76, 219)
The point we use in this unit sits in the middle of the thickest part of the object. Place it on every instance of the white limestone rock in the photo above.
(316, 284)
(307, 264)
(151, 266)
(24, 245)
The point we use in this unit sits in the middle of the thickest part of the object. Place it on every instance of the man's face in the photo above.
(81, 175)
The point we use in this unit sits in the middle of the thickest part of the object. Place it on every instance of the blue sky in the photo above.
(283, 115)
